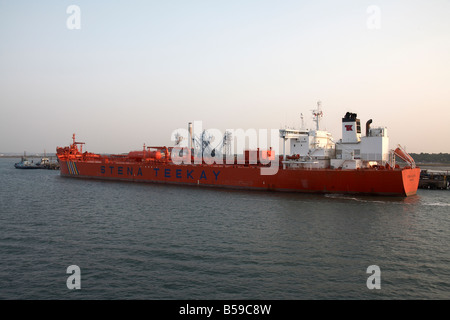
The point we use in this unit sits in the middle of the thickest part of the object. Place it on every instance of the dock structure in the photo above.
(51, 166)
(434, 180)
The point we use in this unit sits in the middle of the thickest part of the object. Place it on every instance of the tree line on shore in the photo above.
(431, 157)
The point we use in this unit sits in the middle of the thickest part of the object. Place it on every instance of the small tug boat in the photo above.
(26, 164)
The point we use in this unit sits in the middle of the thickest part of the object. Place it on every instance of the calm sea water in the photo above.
(149, 241)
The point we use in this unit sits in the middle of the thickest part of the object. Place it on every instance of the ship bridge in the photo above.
(313, 148)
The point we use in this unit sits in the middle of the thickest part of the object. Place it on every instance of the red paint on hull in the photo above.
(381, 181)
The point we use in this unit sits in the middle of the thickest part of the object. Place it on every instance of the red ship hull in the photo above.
(381, 181)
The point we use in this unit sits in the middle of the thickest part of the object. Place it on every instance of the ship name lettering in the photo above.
(167, 172)
(120, 170)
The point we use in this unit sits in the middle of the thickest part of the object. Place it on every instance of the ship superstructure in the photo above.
(316, 149)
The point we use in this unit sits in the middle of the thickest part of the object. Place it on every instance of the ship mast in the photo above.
(75, 143)
(317, 115)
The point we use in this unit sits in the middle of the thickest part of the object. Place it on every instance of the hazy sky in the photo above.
(137, 70)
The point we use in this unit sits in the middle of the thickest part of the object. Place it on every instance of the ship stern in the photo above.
(411, 177)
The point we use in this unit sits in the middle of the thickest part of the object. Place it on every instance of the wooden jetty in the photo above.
(434, 180)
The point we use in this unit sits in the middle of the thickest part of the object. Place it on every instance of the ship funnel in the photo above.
(351, 128)
(368, 127)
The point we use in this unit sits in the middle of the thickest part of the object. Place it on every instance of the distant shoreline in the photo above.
(9, 156)
(432, 164)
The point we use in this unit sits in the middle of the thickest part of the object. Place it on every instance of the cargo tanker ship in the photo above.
(315, 163)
